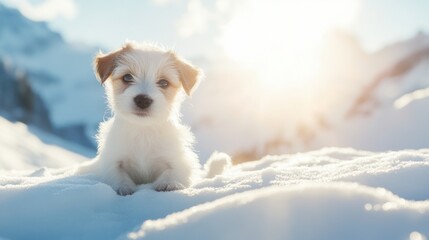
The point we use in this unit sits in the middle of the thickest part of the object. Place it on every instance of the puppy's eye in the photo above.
(127, 78)
(163, 83)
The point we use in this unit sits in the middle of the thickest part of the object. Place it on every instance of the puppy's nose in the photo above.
(143, 101)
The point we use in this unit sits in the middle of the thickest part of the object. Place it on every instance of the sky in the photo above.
(195, 26)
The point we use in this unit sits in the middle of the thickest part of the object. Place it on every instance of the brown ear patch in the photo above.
(189, 75)
(104, 64)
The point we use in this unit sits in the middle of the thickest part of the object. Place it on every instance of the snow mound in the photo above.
(308, 211)
(20, 149)
(332, 193)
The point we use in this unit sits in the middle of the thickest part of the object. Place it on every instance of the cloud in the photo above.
(202, 16)
(195, 19)
(45, 10)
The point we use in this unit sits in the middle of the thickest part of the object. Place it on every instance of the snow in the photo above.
(388, 128)
(330, 193)
(20, 149)
(408, 98)
(308, 211)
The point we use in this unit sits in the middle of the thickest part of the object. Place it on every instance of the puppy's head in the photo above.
(143, 82)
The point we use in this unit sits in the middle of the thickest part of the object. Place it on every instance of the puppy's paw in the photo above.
(167, 186)
(126, 189)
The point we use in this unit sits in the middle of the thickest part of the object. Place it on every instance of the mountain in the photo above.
(351, 103)
(58, 71)
(406, 73)
(19, 102)
(22, 36)
(372, 119)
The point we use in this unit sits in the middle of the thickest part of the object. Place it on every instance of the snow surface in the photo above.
(332, 193)
(20, 149)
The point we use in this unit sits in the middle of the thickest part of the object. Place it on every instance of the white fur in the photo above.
(217, 164)
(156, 148)
(132, 155)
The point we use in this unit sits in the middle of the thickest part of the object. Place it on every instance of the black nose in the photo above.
(143, 101)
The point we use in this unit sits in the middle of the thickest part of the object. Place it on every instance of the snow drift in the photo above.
(332, 193)
(20, 149)
(308, 211)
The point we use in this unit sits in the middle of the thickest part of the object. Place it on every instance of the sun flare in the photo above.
(282, 39)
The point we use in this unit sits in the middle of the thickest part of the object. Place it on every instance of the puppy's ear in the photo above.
(104, 64)
(189, 75)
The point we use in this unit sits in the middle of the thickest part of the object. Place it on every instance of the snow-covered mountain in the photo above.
(407, 72)
(58, 71)
(22, 36)
(351, 103)
(373, 120)
(19, 102)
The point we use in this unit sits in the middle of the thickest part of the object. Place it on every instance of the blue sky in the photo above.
(194, 26)
(380, 22)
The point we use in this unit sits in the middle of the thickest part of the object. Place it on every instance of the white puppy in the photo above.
(144, 141)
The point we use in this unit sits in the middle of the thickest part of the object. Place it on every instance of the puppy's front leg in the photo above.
(172, 179)
(120, 181)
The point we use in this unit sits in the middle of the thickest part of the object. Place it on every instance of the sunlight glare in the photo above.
(281, 40)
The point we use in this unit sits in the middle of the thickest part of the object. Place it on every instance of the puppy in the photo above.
(144, 142)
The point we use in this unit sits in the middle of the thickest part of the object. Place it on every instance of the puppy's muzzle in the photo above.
(142, 101)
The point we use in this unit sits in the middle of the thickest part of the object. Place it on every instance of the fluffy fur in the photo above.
(144, 142)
